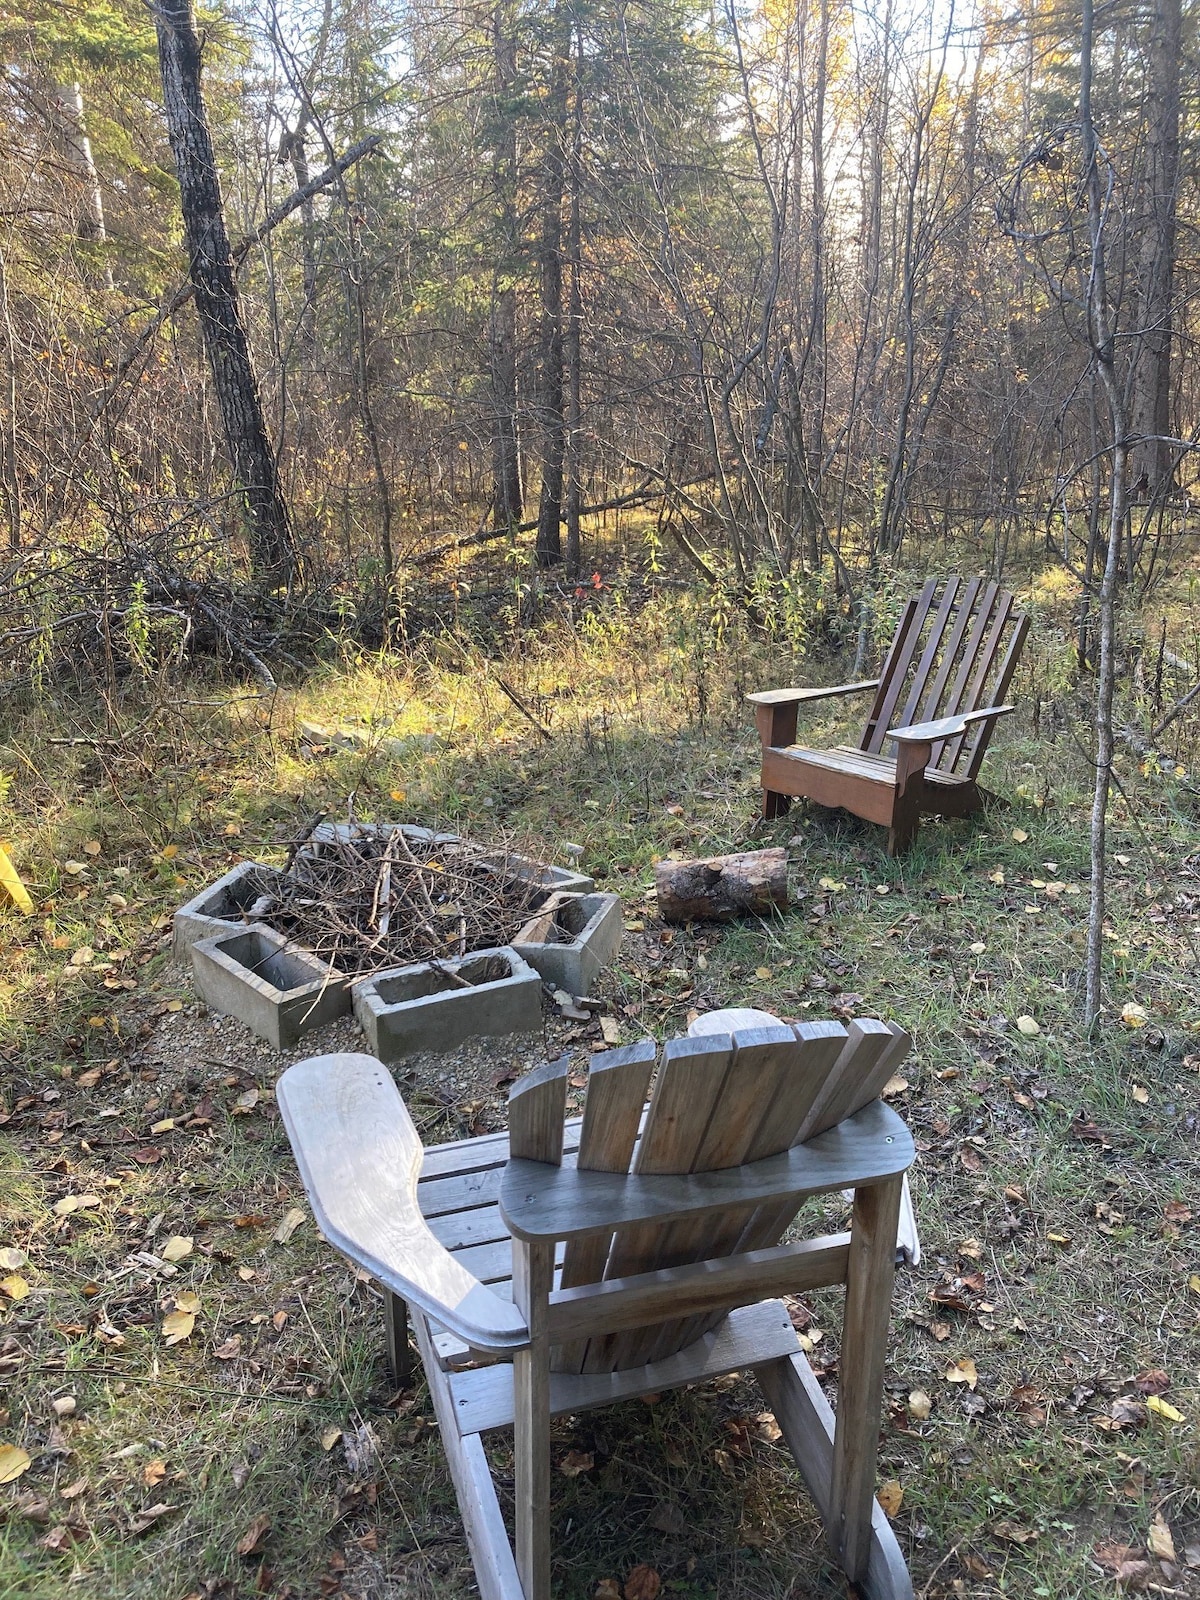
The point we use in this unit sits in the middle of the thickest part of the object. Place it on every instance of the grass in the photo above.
(1053, 1189)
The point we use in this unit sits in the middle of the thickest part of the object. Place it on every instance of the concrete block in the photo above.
(420, 1008)
(222, 906)
(328, 832)
(270, 984)
(540, 876)
(573, 939)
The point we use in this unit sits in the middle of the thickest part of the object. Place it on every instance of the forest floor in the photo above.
(199, 1383)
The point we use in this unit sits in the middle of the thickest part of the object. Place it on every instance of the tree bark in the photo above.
(551, 422)
(1150, 407)
(750, 884)
(574, 332)
(508, 500)
(210, 266)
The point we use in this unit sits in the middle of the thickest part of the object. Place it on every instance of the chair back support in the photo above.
(953, 652)
(718, 1101)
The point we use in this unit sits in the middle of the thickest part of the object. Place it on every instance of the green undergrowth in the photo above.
(1055, 1184)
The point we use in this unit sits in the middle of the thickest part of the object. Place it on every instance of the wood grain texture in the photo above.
(616, 1095)
(540, 1202)
(945, 727)
(483, 1397)
(685, 1092)
(487, 1537)
(712, 1284)
(533, 1272)
(807, 1423)
(360, 1157)
(787, 697)
(537, 1106)
(870, 1273)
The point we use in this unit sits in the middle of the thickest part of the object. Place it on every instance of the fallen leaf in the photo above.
(963, 1370)
(1163, 1408)
(610, 1029)
(154, 1472)
(830, 884)
(1134, 1575)
(170, 851)
(1028, 1027)
(14, 1286)
(894, 1086)
(997, 876)
(12, 1260)
(360, 1447)
(13, 1462)
(643, 1583)
(1177, 1211)
(1013, 1533)
(230, 1349)
(74, 1490)
(890, 1496)
(75, 1202)
(64, 1406)
(330, 1436)
(92, 847)
(919, 1405)
(575, 1462)
(1142, 1096)
(187, 1300)
(178, 1246)
(1020, 835)
(763, 974)
(177, 1326)
(251, 1542)
(1133, 1015)
(607, 1589)
(292, 1219)
(1160, 1543)
(978, 947)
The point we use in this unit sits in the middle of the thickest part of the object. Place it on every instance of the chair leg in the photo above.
(902, 833)
(533, 1274)
(774, 804)
(399, 1354)
(870, 1273)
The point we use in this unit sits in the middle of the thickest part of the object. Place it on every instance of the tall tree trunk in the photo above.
(508, 499)
(77, 155)
(574, 333)
(1101, 335)
(210, 264)
(551, 423)
(1150, 406)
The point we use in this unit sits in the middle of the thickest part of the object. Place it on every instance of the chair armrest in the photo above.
(791, 697)
(360, 1157)
(947, 728)
(540, 1202)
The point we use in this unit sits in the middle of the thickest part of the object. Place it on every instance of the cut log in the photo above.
(753, 883)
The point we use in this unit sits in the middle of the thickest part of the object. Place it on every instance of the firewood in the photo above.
(719, 888)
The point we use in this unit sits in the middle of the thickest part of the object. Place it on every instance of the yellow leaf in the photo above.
(1020, 835)
(174, 1005)
(763, 974)
(187, 1300)
(882, 889)
(13, 1462)
(14, 1286)
(1142, 1096)
(1163, 1408)
(74, 867)
(330, 1436)
(179, 1245)
(170, 851)
(890, 1496)
(997, 876)
(84, 956)
(895, 1085)
(75, 1202)
(399, 795)
(1160, 1543)
(163, 1126)
(1194, 1283)
(178, 1326)
(978, 947)
(831, 884)
(11, 1260)
(11, 883)
(154, 1472)
(1133, 1015)
(1059, 1238)
(919, 1405)
(963, 1370)
(1028, 1027)
(232, 830)
(92, 847)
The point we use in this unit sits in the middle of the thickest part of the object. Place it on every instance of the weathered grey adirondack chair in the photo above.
(627, 1252)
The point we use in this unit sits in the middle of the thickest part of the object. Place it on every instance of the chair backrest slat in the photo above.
(537, 1107)
(955, 657)
(895, 668)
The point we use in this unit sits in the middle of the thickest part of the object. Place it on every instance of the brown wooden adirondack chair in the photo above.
(627, 1252)
(938, 696)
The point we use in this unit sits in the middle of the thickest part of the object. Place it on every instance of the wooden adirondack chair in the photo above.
(627, 1252)
(938, 696)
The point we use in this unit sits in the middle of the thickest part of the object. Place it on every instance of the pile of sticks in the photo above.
(370, 898)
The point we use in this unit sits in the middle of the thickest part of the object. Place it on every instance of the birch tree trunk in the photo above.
(551, 421)
(508, 498)
(210, 266)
